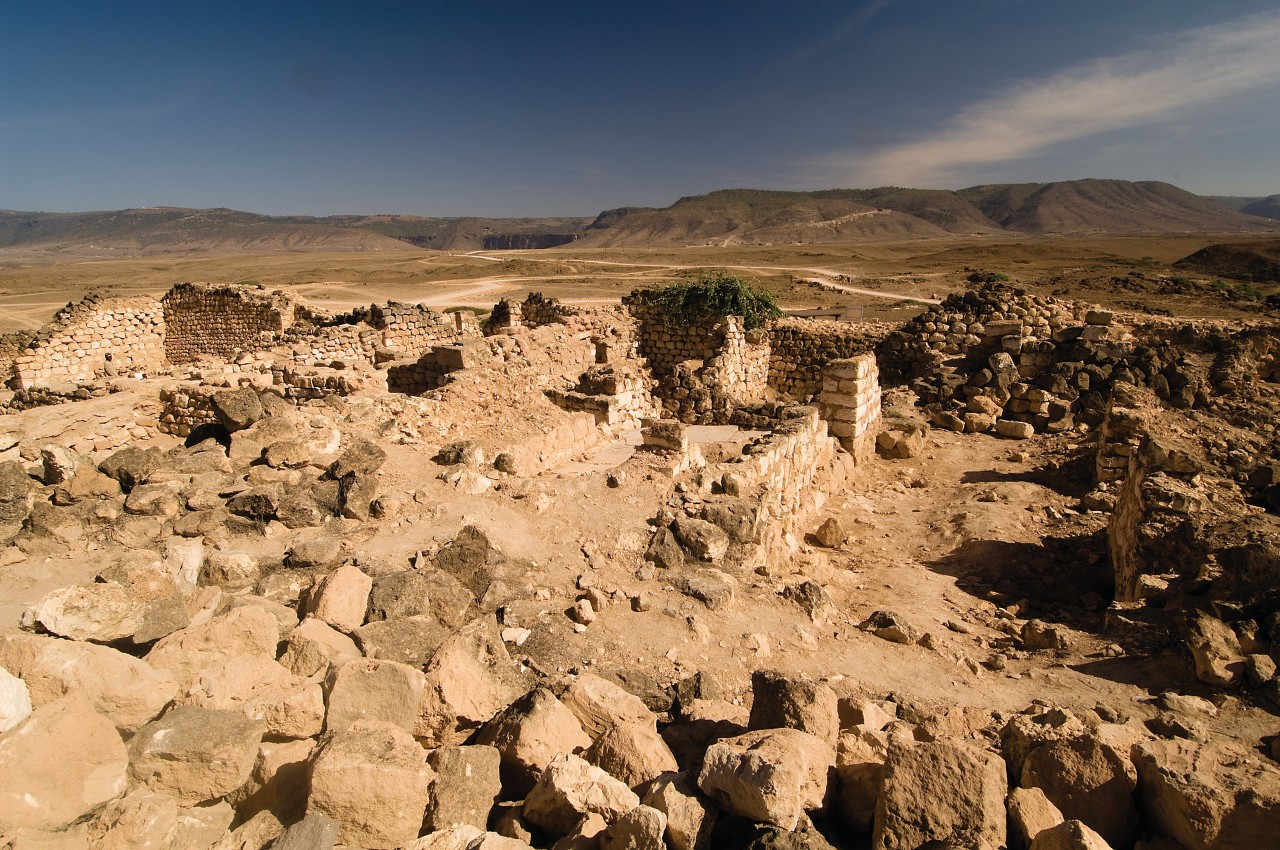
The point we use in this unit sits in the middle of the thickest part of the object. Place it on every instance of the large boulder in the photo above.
(529, 734)
(570, 789)
(600, 705)
(642, 828)
(780, 701)
(341, 598)
(261, 689)
(126, 690)
(237, 409)
(195, 754)
(131, 465)
(1030, 813)
(15, 700)
(369, 689)
(469, 679)
(943, 792)
(466, 786)
(313, 646)
(690, 817)
(373, 779)
(1214, 796)
(61, 762)
(632, 752)
(860, 757)
(361, 457)
(411, 593)
(1088, 781)
(704, 540)
(189, 652)
(771, 776)
(102, 612)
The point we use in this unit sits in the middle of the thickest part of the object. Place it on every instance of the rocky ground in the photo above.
(343, 625)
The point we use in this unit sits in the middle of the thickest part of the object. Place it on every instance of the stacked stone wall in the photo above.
(205, 320)
(788, 476)
(800, 350)
(850, 403)
(74, 348)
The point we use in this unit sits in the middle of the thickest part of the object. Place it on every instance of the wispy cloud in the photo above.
(1160, 82)
(851, 25)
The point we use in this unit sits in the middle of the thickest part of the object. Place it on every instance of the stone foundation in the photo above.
(850, 404)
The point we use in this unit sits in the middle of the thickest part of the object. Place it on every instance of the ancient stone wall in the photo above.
(801, 348)
(218, 321)
(534, 312)
(74, 348)
(618, 397)
(850, 403)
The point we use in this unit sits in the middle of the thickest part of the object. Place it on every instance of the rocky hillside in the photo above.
(1268, 207)
(1258, 262)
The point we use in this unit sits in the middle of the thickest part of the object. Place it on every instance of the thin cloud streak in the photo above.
(852, 24)
(1141, 88)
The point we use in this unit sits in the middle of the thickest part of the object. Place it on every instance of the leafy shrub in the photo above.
(987, 277)
(713, 294)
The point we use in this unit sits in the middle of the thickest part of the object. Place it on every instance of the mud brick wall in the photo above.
(800, 349)
(74, 347)
(217, 321)
(850, 403)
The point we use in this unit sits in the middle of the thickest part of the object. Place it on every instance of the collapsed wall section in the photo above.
(93, 338)
(204, 320)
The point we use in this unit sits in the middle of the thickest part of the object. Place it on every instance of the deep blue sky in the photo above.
(526, 108)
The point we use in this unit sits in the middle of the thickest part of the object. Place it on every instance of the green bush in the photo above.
(714, 294)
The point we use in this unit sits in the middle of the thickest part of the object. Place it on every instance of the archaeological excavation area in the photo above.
(1002, 576)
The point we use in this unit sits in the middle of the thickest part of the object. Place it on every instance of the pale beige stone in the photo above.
(529, 734)
(261, 689)
(195, 754)
(771, 776)
(373, 779)
(943, 791)
(633, 753)
(600, 705)
(370, 689)
(569, 789)
(187, 653)
(341, 598)
(58, 764)
(470, 678)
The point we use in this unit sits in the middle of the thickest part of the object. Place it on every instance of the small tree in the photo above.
(714, 294)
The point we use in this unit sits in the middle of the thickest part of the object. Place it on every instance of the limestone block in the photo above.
(600, 705)
(369, 689)
(569, 789)
(341, 598)
(632, 752)
(944, 792)
(195, 754)
(58, 764)
(529, 734)
(771, 776)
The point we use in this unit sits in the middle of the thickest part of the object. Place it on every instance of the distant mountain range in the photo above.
(733, 216)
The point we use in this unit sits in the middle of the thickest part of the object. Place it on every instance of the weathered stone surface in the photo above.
(831, 533)
(16, 492)
(58, 764)
(373, 779)
(258, 503)
(187, 653)
(195, 754)
(237, 409)
(341, 598)
(456, 837)
(1030, 813)
(780, 701)
(126, 690)
(690, 818)
(103, 612)
(1070, 835)
(714, 588)
(256, 833)
(469, 679)
(261, 689)
(131, 465)
(314, 645)
(230, 570)
(891, 626)
(1087, 781)
(361, 457)
(531, 732)
(411, 593)
(408, 640)
(633, 753)
(316, 831)
(1025, 732)
(140, 820)
(1014, 430)
(600, 705)
(466, 786)
(642, 828)
(664, 550)
(369, 689)
(1208, 796)
(860, 757)
(15, 700)
(1216, 651)
(703, 540)
(772, 776)
(58, 464)
(943, 792)
(569, 789)
(314, 554)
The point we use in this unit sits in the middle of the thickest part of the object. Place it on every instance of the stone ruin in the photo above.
(272, 652)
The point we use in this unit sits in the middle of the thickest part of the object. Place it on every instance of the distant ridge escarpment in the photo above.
(725, 217)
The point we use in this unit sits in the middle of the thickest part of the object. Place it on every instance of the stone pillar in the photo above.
(850, 403)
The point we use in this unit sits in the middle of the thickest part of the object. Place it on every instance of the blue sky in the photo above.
(521, 108)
